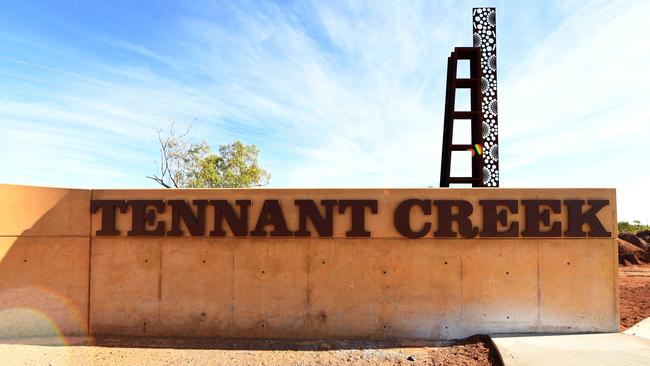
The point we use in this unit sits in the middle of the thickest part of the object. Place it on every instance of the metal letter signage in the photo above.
(448, 218)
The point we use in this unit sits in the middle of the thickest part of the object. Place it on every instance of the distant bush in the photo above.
(635, 226)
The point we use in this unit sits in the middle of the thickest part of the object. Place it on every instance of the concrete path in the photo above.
(640, 329)
(575, 349)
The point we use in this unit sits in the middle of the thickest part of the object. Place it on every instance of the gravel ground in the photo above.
(634, 294)
(473, 351)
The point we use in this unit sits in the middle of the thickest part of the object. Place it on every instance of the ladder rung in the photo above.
(463, 180)
(461, 147)
(464, 115)
(464, 53)
(468, 83)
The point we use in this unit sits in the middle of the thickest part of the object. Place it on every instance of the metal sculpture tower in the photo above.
(483, 114)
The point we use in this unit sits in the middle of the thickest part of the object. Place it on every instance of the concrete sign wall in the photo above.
(299, 263)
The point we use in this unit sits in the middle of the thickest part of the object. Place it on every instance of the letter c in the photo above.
(402, 218)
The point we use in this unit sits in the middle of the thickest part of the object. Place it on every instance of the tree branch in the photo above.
(160, 181)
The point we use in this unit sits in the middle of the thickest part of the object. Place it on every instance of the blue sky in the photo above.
(335, 94)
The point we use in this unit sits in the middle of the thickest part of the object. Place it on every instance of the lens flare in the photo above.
(478, 149)
(41, 312)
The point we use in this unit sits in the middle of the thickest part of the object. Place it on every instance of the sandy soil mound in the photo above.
(629, 254)
(633, 239)
(645, 235)
(633, 249)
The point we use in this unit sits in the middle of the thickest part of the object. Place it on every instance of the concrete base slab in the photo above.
(573, 349)
(640, 329)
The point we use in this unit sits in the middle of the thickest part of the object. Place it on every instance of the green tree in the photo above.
(235, 166)
(185, 164)
(635, 226)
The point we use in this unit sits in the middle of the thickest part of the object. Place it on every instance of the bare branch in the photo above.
(189, 127)
(177, 157)
(160, 181)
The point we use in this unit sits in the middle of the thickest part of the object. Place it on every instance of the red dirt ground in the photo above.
(634, 294)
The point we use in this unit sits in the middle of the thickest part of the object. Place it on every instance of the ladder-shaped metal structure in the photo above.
(475, 115)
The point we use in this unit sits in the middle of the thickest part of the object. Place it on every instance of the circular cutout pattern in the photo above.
(487, 176)
(494, 152)
(477, 40)
(492, 63)
(492, 18)
(486, 130)
(493, 107)
(484, 21)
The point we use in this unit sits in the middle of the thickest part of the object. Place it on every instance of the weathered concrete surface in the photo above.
(381, 287)
(319, 288)
(44, 261)
(41, 211)
(574, 349)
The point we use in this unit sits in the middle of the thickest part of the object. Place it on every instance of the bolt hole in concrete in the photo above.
(262, 325)
(204, 261)
(203, 314)
(25, 260)
(263, 272)
(323, 262)
(445, 262)
(507, 317)
(384, 272)
(507, 273)
(568, 263)
(146, 261)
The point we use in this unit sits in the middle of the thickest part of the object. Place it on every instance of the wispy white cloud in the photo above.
(573, 113)
(334, 93)
(350, 107)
